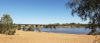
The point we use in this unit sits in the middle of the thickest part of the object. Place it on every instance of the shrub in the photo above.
(6, 25)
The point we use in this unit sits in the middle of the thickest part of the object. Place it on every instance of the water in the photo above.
(67, 30)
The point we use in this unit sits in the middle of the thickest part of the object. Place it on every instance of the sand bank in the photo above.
(43, 37)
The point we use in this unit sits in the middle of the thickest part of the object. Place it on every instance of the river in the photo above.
(67, 30)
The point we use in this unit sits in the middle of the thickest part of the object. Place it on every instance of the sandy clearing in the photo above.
(43, 37)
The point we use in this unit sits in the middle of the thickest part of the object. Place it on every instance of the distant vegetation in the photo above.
(66, 25)
(7, 25)
(29, 27)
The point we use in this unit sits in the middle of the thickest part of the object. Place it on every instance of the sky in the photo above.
(38, 11)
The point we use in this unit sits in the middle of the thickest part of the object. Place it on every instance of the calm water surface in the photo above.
(67, 30)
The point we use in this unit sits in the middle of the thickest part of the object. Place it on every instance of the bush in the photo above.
(6, 25)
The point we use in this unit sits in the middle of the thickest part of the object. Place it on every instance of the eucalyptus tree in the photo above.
(7, 25)
(87, 10)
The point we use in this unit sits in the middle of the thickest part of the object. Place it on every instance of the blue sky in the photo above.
(38, 11)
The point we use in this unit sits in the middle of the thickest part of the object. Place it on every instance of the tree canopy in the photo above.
(87, 9)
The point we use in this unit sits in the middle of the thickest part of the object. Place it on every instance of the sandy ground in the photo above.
(43, 37)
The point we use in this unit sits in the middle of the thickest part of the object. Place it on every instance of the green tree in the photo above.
(87, 9)
(7, 26)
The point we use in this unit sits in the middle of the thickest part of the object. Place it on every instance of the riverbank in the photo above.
(43, 37)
